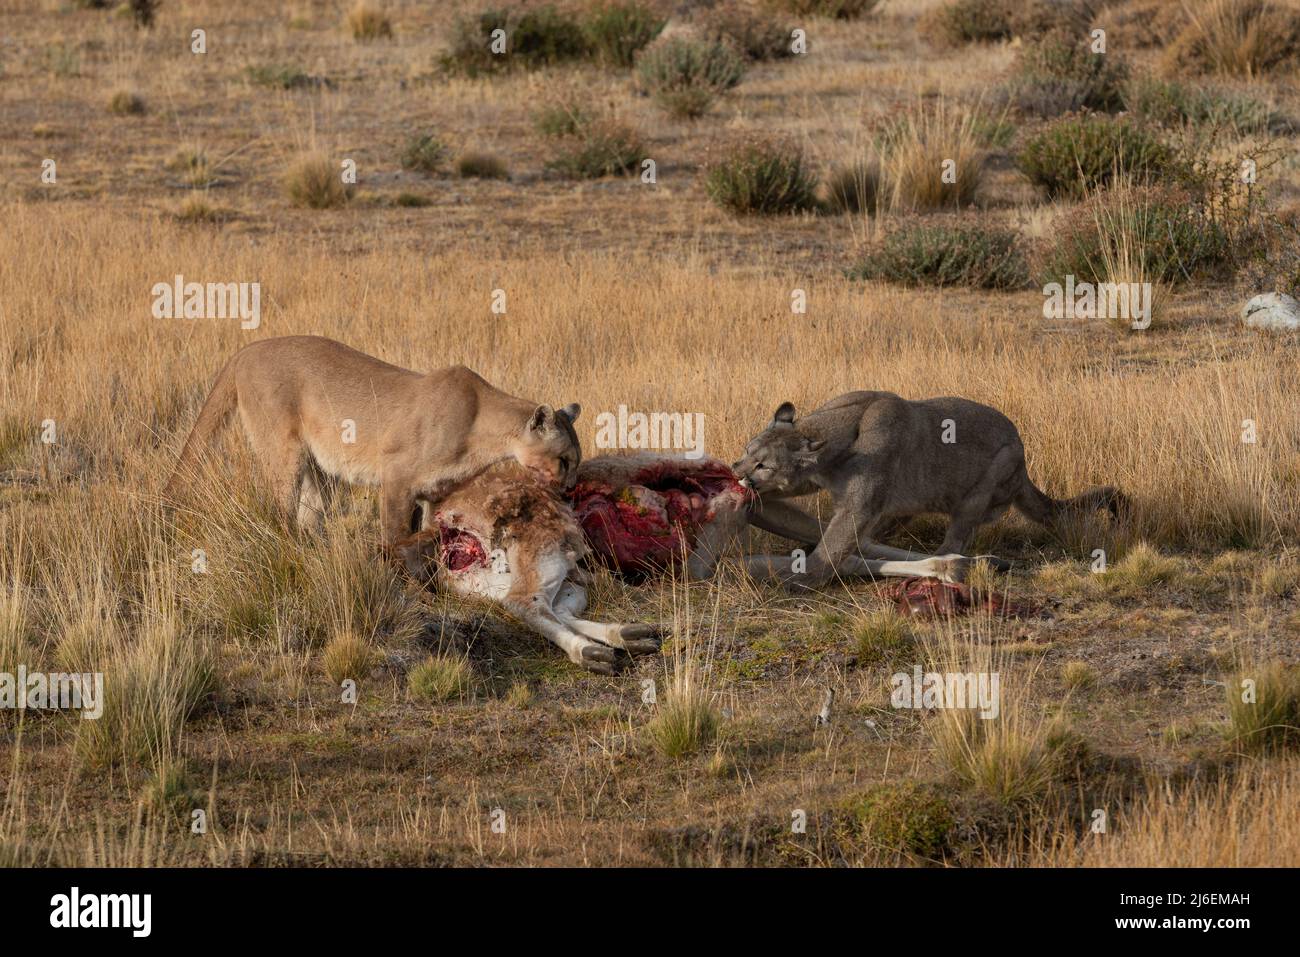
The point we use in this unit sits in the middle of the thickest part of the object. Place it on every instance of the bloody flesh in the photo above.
(653, 520)
(459, 549)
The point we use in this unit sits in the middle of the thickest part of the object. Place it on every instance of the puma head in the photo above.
(780, 459)
(549, 446)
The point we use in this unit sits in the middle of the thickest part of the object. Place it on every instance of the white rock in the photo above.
(1272, 310)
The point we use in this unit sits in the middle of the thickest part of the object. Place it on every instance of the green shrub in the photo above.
(685, 76)
(617, 30)
(762, 177)
(754, 35)
(563, 117)
(280, 76)
(1176, 237)
(600, 147)
(1077, 153)
(1170, 103)
(834, 9)
(1060, 73)
(968, 21)
(424, 153)
(907, 816)
(967, 254)
(535, 37)
(481, 166)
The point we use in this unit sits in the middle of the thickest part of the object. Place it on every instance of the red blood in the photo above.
(653, 521)
(931, 598)
(459, 549)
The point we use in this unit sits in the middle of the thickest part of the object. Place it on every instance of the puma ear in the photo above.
(572, 410)
(784, 413)
(541, 417)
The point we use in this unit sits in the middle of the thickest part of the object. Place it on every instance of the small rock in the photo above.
(1272, 310)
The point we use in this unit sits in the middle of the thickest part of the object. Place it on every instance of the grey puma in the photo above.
(884, 459)
(314, 410)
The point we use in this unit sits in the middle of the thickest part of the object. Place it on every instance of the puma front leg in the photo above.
(396, 505)
(780, 518)
(855, 517)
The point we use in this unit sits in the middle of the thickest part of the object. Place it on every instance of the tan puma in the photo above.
(315, 410)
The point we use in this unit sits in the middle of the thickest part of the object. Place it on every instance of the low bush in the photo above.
(424, 153)
(967, 254)
(752, 33)
(617, 30)
(534, 37)
(834, 9)
(1160, 232)
(481, 166)
(597, 147)
(684, 76)
(762, 177)
(1060, 73)
(1078, 153)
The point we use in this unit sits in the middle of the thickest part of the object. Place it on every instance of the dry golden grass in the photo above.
(1220, 824)
(617, 292)
(935, 160)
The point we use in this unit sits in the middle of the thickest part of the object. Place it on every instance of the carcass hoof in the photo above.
(997, 564)
(952, 568)
(604, 660)
(641, 639)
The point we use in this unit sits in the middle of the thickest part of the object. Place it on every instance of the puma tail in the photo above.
(1036, 504)
(216, 411)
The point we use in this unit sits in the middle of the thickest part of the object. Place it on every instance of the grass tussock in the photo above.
(125, 102)
(882, 635)
(478, 165)
(934, 157)
(367, 21)
(1264, 708)
(315, 181)
(1244, 38)
(348, 658)
(440, 678)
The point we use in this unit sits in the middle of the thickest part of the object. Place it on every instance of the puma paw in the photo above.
(799, 584)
